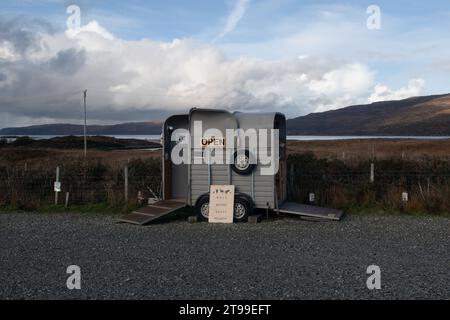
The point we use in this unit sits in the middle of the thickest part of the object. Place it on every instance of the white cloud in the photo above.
(91, 27)
(7, 51)
(381, 92)
(341, 87)
(233, 19)
(352, 78)
(145, 79)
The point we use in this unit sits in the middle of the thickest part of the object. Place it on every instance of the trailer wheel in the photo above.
(244, 163)
(241, 210)
(202, 208)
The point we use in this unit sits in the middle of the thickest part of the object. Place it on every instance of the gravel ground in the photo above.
(282, 259)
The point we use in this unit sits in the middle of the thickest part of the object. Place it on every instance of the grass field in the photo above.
(339, 149)
(337, 172)
(377, 148)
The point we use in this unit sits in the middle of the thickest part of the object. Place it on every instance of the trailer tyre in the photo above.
(241, 210)
(202, 208)
(244, 162)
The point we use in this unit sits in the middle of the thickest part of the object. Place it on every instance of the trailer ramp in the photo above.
(311, 211)
(152, 212)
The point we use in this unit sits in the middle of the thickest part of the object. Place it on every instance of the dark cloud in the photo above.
(68, 61)
(21, 33)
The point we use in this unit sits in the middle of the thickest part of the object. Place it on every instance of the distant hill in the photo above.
(420, 116)
(134, 128)
(77, 142)
(424, 116)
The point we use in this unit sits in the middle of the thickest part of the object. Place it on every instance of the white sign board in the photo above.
(57, 186)
(221, 204)
(405, 197)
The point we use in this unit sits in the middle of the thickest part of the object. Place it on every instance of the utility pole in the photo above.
(85, 123)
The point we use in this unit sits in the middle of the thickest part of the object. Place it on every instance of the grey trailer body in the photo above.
(188, 184)
(193, 180)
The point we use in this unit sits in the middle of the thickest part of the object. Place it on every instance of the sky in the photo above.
(144, 60)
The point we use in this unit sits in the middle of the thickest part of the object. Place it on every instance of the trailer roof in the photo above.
(246, 120)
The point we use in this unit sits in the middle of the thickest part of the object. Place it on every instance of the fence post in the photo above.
(291, 176)
(57, 180)
(372, 173)
(126, 183)
(67, 200)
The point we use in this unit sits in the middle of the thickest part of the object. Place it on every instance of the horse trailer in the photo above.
(205, 133)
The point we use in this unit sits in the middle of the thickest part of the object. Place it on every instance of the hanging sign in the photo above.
(57, 186)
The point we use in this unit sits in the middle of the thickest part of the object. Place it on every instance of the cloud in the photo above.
(146, 79)
(7, 51)
(381, 92)
(350, 78)
(17, 38)
(341, 87)
(233, 19)
(68, 61)
(93, 27)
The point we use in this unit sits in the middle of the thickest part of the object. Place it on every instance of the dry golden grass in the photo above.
(36, 157)
(368, 149)
(27, 176)
(339, 149)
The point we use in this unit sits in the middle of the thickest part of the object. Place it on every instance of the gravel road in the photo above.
(282, 259)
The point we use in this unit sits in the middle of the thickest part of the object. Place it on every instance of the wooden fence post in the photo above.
(291, 176)
(67, 200)
(126, 183)
(372, 173)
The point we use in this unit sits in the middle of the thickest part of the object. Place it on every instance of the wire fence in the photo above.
(69, 184)
(393, 184)
(386, 184)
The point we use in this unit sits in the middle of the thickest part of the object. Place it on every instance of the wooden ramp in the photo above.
(311, 211)
(152, 212)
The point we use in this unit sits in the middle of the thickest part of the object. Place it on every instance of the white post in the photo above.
(67, 200)
(85, 124)
(57, 180)
(372, 173)
(126, 182)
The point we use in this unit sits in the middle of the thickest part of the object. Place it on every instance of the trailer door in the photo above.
(310, 211)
